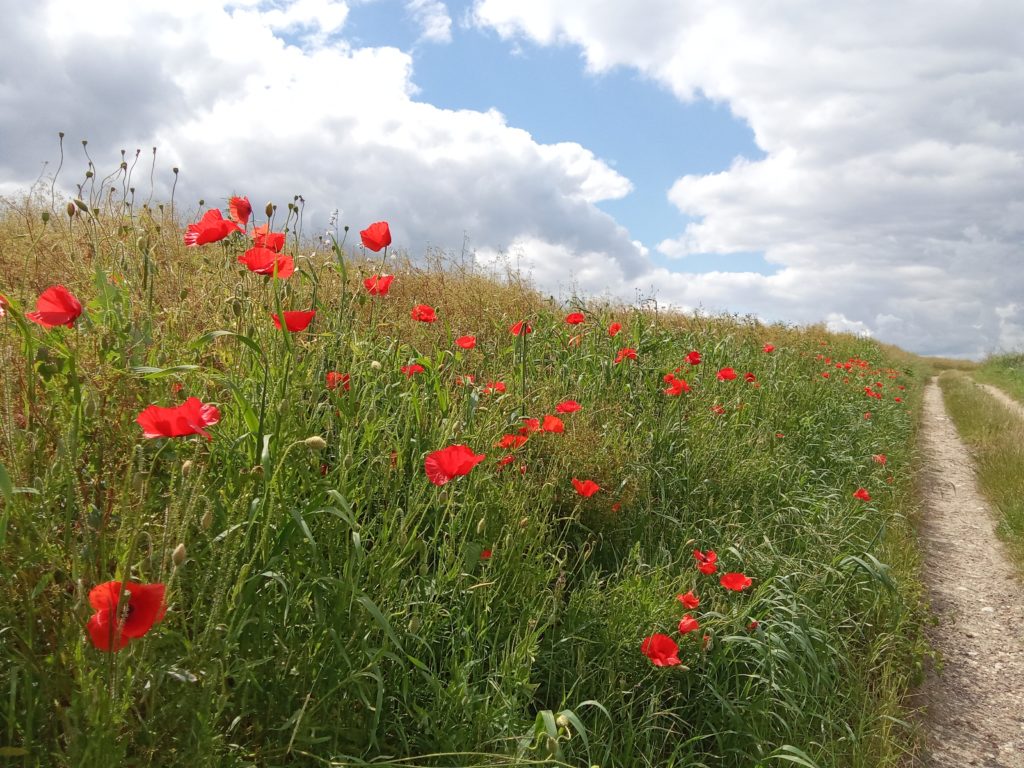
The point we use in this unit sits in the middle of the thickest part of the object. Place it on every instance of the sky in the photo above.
(859, 164)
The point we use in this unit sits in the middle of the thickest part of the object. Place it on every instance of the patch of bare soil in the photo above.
(974, 701)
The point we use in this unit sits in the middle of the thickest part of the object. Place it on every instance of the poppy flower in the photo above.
(737, 582)
(495, 386)
(121, 618)
(378, 285)
(190, 418)
(613, 329)
(451, 462)
(676, 387)
(263, 261)
(726, 374)
(624, 353)
(335, 379)
(661, 650)
(568, 406)
(688, 624)
(617, 506)
(693, 358)
(574, 318)
(718, 409)
(412, 370)
(529, 425)
(552, 424)
(749, 377)
(505, 461)
(296, 321)
(176, 387)
(520, 328)
(706, 561)
(376, 236)
(879, 458)
(466, 342)
(867, 415)
(862, 494)
(465, 380)
(485, 554)
(511, 441)
(4, 305)
(585, 488)
(212, 228)
(768, 348)
(262, 237)
(424, 313)
(689, 600)
(754, 624)
(240, 209)
(779, 435)
(56, 306)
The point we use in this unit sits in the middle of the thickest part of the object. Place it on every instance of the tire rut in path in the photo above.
(975, 705)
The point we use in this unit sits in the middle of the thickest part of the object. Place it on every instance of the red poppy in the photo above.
(296, 321)
(688, 624)
(568, 406)
(737, 582)
(495, 386)
(262, 237)
(505, 461)
(689, 600)
(451, 462)
(613, 329)
(625, 352)
(706, 561)
(779, 434)
(210, 229)
(617, 506)
(376, 236)
(661, 650)
(240, 209)
(56, 306)
(898, 399)
(693, 358)
(424, 313)
(485, 554)
(263, 261)
(676, 387)
(754, 624)
(879, 458)
(574, 318)
(552, 424)
(585, 488)
(176, 387)
(718, 409)
(190, 418)
(862, 494)
(121, 618)
(412, 370)
(749, 377)
(335, 379)
(768, 348)
(529, 425)
(466, 342)
(521, 327)
(867, 414)
(378, 285)
(465, 380)
(511, 441)
(726, 374)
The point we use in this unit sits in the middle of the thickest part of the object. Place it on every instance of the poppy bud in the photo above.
(46, 217)
(414, 624)
(269, 210)
(186, 467)
(178, 556)
(315, 443)
(207, 521)
(480, 526)
(523, 522)
(71, 210)
(81, 204)
(375, 365)
(562, 721)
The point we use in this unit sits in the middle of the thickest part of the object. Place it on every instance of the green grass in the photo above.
(334, 608)
(1005, 372)
(996, 438)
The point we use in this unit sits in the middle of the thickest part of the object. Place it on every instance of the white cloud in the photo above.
(433, 18)
(893, 181)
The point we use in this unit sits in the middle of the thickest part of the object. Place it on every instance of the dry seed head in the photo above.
(524, 522)
(186, 467)
(178, 556)
(480, 526)
(315, 443)
(269, 210)
(207, 521)
(375, 365)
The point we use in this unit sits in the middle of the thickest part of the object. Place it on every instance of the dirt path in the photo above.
(1004, 398)
(975, 703)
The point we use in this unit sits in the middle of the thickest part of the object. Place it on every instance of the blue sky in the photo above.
(884, 194)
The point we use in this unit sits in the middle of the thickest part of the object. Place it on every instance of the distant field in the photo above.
(329, 603)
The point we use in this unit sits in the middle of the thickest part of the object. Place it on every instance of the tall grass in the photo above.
(335, 608)
(1005, 372)
(996, 438)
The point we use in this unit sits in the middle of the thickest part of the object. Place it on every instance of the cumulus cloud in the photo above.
(269, 99)
(892, 186)
(433, 18)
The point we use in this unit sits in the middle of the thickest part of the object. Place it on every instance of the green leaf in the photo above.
(6, 488)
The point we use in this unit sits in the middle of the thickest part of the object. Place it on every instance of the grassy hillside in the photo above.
(327, 604)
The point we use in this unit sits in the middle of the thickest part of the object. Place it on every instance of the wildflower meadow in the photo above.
(278, 498)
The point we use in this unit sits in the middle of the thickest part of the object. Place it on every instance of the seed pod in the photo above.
(207, 521)
(315, 443)
(186, 467)
(269, 210)
(71, 210)
(178, 556)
